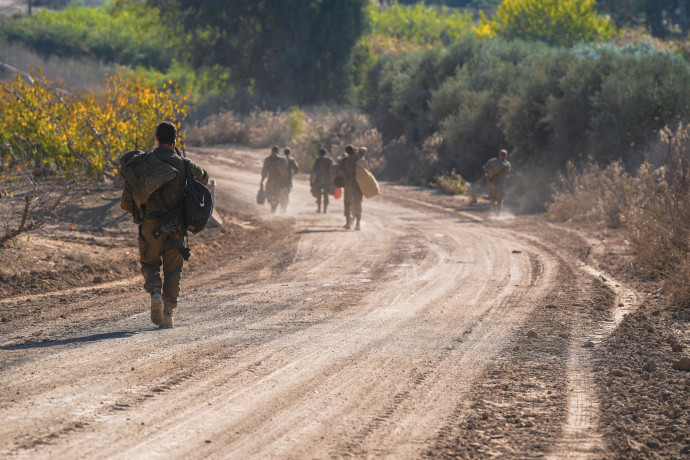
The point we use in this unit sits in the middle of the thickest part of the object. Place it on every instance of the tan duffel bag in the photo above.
(366, 180)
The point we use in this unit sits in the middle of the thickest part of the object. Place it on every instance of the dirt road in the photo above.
(429, 332)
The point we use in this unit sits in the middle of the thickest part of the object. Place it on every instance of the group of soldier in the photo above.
(278, 170)
(160, 246)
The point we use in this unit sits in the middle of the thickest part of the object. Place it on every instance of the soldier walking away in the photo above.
(292, 168)
(497, 169)
(320, 180)
(162, 238)
(353, 195)
(275, 169)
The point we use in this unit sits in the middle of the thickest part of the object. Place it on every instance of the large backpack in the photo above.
(197, 203)
(145, 174)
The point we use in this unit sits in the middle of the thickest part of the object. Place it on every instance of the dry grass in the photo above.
(652, 206)
(70, 73)
(259, 129)
(593, 195)
(333, 130)
(658, 216)
(304, 131)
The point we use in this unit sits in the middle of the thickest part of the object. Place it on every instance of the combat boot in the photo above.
(324, 208)
(347, 224)
(167, 322)
(357, 225)
(156, 307)
(318, 209)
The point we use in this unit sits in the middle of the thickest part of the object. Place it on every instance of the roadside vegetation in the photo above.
(651, 204)
(579, 94)
(51, 140)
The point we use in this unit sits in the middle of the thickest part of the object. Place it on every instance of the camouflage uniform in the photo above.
(496, 169)
(292, 168)
(353, 195)
(278, 185)
(320, 181)
(154, 252)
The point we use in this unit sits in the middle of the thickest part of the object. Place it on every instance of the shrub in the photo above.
(451, 183)
(652, 206)
(557, 22)
(400, 28)
(548, 106)
(592, 195)
(222, 128)
(121, 32)
(658, 217)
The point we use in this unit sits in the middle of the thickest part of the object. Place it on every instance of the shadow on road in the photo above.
(54, 343)
(302, 232)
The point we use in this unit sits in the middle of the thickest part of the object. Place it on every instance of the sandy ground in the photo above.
(434, 331)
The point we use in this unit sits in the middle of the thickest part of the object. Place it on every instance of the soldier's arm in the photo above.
(264, 171)
(199, 173)
(295, 166)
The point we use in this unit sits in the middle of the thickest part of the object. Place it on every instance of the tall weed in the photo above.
(651, 205)
(591, 195)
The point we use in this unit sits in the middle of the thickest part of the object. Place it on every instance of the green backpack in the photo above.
(145, 173)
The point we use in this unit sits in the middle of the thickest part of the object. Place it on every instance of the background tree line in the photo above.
(443, 90)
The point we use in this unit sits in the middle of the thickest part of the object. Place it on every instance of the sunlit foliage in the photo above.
(401, 28)
(556, 22)
(85, 131)
(124, 32)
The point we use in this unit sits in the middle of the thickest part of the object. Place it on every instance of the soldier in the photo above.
(497, 169)
(165, 249)
(277, 186)
(320, 180)
(292, 168)
(353, 195)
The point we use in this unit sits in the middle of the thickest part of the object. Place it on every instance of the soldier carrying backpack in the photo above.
(157, 184)
(496, 170)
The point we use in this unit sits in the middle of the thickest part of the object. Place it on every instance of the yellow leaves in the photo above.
(86, 129)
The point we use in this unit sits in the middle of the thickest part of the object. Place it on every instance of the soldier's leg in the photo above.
(273, 201)
(492, 197)
(357, 206)
(500, 195)
(272, 195)
(347, 201)
(172, 274)
(150, 250)
(325, 199)
(284, 199)
(318, 201)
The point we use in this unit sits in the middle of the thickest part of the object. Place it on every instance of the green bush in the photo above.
(547, 105)
(120, 32)
(417, 24)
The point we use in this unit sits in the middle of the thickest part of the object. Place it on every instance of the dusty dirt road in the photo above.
(428, 333)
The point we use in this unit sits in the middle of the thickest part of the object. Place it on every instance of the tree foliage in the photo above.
(661, 17)
(556, 22)
(547, 105)
(122, 32)
(82, 132)
(296, 50)
(402, 27)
